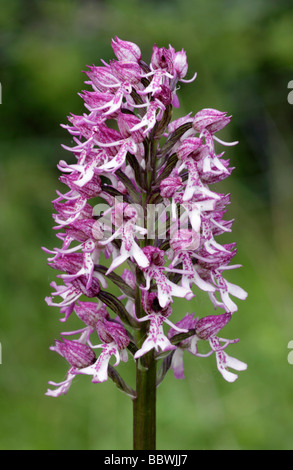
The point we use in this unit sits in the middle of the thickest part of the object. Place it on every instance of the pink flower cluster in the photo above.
(129, 154)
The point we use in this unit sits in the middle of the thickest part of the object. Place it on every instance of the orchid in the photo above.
(206, 329)
(127, 157)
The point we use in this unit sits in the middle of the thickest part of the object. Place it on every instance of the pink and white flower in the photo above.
(126, 154)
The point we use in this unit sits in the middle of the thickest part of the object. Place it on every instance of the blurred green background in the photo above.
(242, 52)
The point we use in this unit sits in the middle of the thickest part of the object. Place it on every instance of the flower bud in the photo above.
(210, 119)
(125, 50)
(180, 64)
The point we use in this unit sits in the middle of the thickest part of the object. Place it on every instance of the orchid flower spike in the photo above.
(139, 222)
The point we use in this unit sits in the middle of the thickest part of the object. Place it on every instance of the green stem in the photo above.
(144, 405)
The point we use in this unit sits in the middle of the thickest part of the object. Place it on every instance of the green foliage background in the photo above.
(242, 52)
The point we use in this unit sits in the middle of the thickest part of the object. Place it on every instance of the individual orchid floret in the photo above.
(193, 209)
(162, 58)
(183, 244)
(115, 103)
(206, 329)
(156, 338)
(102, 79)
(190, 152)
(209, 121)
(188, 323)
(153, 114)
(87, 268)
(156, 315)
(70, 211)
(70, 292)
(127, 71)
(226, 289)
(77, 264)
(78, 355)
(125, 218)
(115, 340)
(155, 271)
